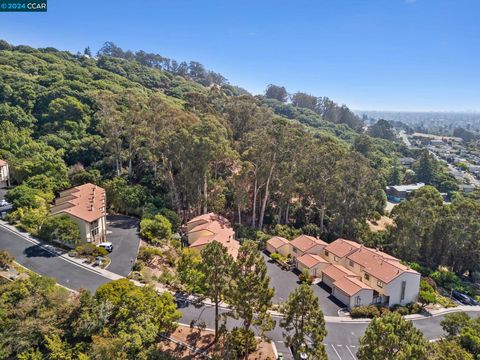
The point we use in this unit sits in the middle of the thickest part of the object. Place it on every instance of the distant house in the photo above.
(407, 162)
(467, 188)
(86, 206)
(278, 244)
(4, 174)
(206, 228)
(304, 244)
(399, 193)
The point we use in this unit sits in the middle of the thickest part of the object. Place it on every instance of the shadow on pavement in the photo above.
(37, 251)
(122, 222)
(331, 297)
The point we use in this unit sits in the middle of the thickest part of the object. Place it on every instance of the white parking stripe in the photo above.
(351, 353)
(336, 352)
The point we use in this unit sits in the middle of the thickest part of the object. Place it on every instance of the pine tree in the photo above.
(216, 269)
(250, 295)
(390, 337)
(304, 323)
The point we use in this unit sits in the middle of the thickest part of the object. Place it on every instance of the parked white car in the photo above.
(3, 203)
(107, 246)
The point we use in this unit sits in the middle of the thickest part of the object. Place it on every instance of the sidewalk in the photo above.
(112, 276)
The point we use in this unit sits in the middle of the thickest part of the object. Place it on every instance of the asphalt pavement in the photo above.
(122, 232)
(33, 257)
(286, 281)
(341, 342)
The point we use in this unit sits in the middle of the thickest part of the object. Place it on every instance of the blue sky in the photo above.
(368, 54)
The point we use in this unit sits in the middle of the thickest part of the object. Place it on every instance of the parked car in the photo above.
(280, 356)
(3, 203)
(107, 246)
(463, 298)
(181, 300)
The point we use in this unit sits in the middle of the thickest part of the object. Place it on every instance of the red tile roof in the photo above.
(379, 264)
(209, 218)
(336, 272)
(342, 247)
(214, 227)
(310, 260)
(277, 242)
(86, 202)
(305, 242)
(230, 244)
(350, 285)
(220, 230)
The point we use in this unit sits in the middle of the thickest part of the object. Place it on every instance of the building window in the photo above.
(367, 277)
(326, 253)
(402, 291)
(335, 258)
(94, 228)
(380, 284)
(350, 263)
(357, 300)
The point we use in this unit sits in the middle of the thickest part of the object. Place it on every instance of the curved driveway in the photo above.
(341, 342)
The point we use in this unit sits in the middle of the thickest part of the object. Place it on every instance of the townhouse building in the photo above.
(86, 206)
(206, 228)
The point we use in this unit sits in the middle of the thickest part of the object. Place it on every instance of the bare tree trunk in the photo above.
(287, 213)
(322, 218)
(130, 166)
(205, 192)
(254, 205)
(267, 193)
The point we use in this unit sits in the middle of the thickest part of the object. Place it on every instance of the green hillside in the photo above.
(156, 132)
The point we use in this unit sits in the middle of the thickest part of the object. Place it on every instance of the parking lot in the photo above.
(122, 232)
(285, 281)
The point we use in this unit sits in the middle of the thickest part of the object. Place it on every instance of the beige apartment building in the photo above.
(86, 206)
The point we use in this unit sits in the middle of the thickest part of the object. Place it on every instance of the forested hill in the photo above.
(158, 139)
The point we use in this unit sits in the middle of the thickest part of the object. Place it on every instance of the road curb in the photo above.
(32, 240)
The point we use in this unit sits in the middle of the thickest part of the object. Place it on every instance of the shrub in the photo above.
(235, 342)
(146, 254)
(276, 256)
(402, 310)
(306, 277)
(90, 250)
(150, 211)
(425, 271)
(5, 259)
(447, 279)
(414, 308)
(312, 230)
(138, 266)
(156, 229)
(369, 311)
(286, 231)
(60, 228)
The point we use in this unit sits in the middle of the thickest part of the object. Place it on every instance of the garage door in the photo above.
(327, 280)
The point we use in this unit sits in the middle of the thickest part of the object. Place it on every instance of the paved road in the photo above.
(341, 341)
(122, 232)
(285, 282)
(43, 262)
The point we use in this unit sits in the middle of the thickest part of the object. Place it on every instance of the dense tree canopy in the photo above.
(434, 233)
(153, 131)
